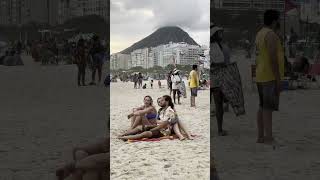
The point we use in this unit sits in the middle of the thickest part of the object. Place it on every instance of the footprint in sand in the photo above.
(146, 164)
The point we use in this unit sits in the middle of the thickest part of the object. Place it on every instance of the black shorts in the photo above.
(268, 96)
(194, 92)
(155, 133)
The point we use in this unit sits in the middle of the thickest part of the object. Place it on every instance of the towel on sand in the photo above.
(157, 139)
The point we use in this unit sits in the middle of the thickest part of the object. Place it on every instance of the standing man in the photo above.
(269, 72)
(81, 61)
(176, 83)
(169, 82)
(194, 84)
(97, 53)
(140, 79)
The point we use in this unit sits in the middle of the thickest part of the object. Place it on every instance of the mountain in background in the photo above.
(163, 35)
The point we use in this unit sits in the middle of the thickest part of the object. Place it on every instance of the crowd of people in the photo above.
(85, 53)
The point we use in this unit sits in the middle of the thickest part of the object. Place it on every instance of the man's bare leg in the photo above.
(177, 131)
(145, 134)
(260, 126)
(132, 131)
(184, 129)
(267, 123)
(193, 101)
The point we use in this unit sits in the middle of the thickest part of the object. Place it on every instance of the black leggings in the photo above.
(218, 100)
(81, 73)
(176, 91)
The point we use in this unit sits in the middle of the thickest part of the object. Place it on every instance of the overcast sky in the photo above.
(133, 20)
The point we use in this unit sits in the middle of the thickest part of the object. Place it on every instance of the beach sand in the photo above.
(296, 128)
(166, 159)
(44, 114)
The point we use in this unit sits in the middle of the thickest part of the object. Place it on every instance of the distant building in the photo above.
(140, 57)
(242, 5)
(14, 12)
(179, 53)
(119, 61)
(18, 12)
(162, 55)
(74, 8)
(238, 7)
(310, 11)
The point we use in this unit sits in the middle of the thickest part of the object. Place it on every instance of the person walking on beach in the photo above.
(269, 72)
(81, 62)
(97, 54)
(140, 78)
(169, 82)
(135, 80)
(176, 83)
(159, 84)
(194, 84)
(220, 56)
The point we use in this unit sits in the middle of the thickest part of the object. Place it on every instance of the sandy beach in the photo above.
(296, 129)
(44, 114)
(166, 159)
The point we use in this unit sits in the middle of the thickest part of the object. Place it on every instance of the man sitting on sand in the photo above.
(168, 122)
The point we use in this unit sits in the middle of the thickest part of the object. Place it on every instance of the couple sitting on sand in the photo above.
(147, 123)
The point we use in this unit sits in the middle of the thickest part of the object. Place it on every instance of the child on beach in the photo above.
(144, 86)
(159, 84)
(151, 84)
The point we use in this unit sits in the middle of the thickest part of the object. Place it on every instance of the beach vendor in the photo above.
(225, 84)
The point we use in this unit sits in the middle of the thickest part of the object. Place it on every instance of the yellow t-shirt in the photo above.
(193, 79)
(264, 71)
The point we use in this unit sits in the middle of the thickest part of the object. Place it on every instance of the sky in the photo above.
(133, 20)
